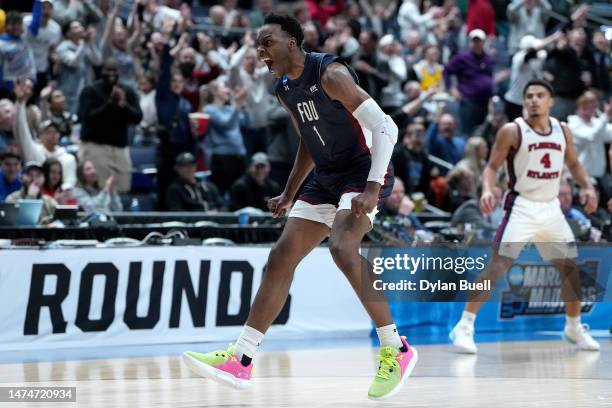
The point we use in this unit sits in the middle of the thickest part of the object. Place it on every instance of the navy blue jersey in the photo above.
(333, 136)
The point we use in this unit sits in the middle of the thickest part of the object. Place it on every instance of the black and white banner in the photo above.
(125, 296)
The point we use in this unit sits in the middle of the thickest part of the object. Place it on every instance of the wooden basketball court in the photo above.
(507, 374)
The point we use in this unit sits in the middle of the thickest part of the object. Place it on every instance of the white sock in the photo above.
(572, 321)
(468, 318)
(389, 336)
(248, 342)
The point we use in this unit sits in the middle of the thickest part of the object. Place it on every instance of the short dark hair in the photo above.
(66, 27)
(372, 34)
(288, 24)
(14, 17)
(539, 82)
(9, 154)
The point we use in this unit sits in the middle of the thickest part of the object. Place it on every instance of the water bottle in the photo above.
(135, 205)
(243, 218)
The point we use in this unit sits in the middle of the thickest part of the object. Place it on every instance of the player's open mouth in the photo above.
(269, 63)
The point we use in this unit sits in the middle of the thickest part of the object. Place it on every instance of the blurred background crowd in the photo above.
(163, 105)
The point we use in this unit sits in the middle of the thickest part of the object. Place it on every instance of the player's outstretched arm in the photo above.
(339, 85)
(588, 198)
(505, 140)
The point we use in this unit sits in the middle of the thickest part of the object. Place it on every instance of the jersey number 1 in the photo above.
(318, 134)
(546, 161)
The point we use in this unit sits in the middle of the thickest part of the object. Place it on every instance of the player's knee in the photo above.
(275, 257)
(280, 260)
(343, 254)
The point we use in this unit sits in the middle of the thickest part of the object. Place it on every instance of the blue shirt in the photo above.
(224, 136)
(16, 56)
(7, 187)
(450, 150)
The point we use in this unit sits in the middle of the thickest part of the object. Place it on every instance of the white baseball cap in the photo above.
(386, 40)
(477, 33)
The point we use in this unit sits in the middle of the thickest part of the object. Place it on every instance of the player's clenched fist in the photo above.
(279, 205)
(488, 202)
(588, 199)
(363, 203)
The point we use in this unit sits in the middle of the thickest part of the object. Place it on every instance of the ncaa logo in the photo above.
(516, 275)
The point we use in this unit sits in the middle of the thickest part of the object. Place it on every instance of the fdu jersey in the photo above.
(333, 136)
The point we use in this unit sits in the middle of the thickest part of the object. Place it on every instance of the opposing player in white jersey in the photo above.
(535, 149)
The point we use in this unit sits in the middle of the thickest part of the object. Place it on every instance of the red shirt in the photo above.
(193, 84)
(480, 14)
(51, 193)
(321, 13)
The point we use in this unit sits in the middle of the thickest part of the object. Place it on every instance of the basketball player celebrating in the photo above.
(331, 113)
(535, 150)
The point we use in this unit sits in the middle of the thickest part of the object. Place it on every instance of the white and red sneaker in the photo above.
(222, 366)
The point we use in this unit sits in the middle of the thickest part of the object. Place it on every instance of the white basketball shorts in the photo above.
(325, 213)
(542, 223)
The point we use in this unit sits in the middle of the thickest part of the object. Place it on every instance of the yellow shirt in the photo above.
(2, 21)
(430, 79)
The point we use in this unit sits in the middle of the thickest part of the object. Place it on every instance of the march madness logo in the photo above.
(535, 289)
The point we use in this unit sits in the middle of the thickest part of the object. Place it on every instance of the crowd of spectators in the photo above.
(86, 84)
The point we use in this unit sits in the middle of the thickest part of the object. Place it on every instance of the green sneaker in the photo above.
(223, 366)
(394, 368)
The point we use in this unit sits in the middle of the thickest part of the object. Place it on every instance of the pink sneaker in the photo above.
(222, 366)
